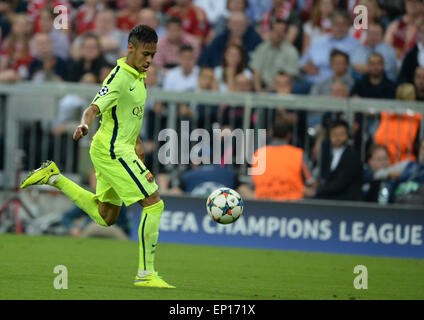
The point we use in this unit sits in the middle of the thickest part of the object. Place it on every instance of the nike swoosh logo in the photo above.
(140, 280)
(39, 180)
(132, 89)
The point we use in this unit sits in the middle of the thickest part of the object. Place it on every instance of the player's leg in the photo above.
(49, 173)
(134, 183)
(148, 232)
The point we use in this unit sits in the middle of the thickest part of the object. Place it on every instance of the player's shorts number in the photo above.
(138, 165)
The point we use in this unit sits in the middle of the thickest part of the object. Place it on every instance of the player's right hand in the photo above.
(80, 132)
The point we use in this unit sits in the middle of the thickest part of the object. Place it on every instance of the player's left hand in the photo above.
(80, 132)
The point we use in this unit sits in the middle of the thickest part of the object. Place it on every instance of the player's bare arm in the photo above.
(86, 121)
(139, 150)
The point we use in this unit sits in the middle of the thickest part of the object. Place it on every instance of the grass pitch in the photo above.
(105, 269)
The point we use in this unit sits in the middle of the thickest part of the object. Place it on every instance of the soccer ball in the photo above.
(224, 205)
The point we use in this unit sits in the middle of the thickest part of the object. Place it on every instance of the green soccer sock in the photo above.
(148, 233)
(82, 198)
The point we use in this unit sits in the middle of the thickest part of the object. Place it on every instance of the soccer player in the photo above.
(117, 154)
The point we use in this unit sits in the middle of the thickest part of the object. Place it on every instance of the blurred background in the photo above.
(341, 105)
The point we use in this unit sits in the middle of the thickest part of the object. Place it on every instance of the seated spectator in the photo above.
(419, 83)
(84, 18)
(206, 115)
(238, 31)
(36, 6)
(233, 64)
(215, 9)
(343, 180)
(59, 40)
(339, 62)
(376, 44)
(184, 76)
(148, 17)
(402, 33)
(283, 10)
(194, 19)
(46, 66)
(406, 92)
(273, 56)
(110, 37)
(256, 10)
(91, 61)
(169, 44)
(283, 83)
(380, 175)
(414, 58)
(410, 187)
(320, 123)
(319, 23)
(315, 63)
(15, 51)
(375, 83)
(373, 16)
(285, 173)
(232, 117)
(128, 17)
(232, 6)
(70, 108)
(158, 6)
(6, 17)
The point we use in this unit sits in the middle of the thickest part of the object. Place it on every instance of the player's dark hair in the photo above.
(142, 34)
(281, 129)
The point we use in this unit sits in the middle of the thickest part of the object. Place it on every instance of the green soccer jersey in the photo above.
(121, 102)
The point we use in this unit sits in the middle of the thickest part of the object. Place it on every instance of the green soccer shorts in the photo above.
(124, 179)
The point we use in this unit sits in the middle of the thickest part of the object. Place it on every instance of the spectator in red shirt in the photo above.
(128, 17)
(84, 20)
(402, 34)
(169, 44)
(194, 19)
(15, 52)
(60, 40)
(35, 7)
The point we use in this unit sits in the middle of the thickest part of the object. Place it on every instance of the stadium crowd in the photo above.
(275, 46)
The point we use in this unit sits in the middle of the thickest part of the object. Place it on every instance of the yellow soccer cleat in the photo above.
(152, 280)
(40, 175)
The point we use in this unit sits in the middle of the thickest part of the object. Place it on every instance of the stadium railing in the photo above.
(27, 111)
